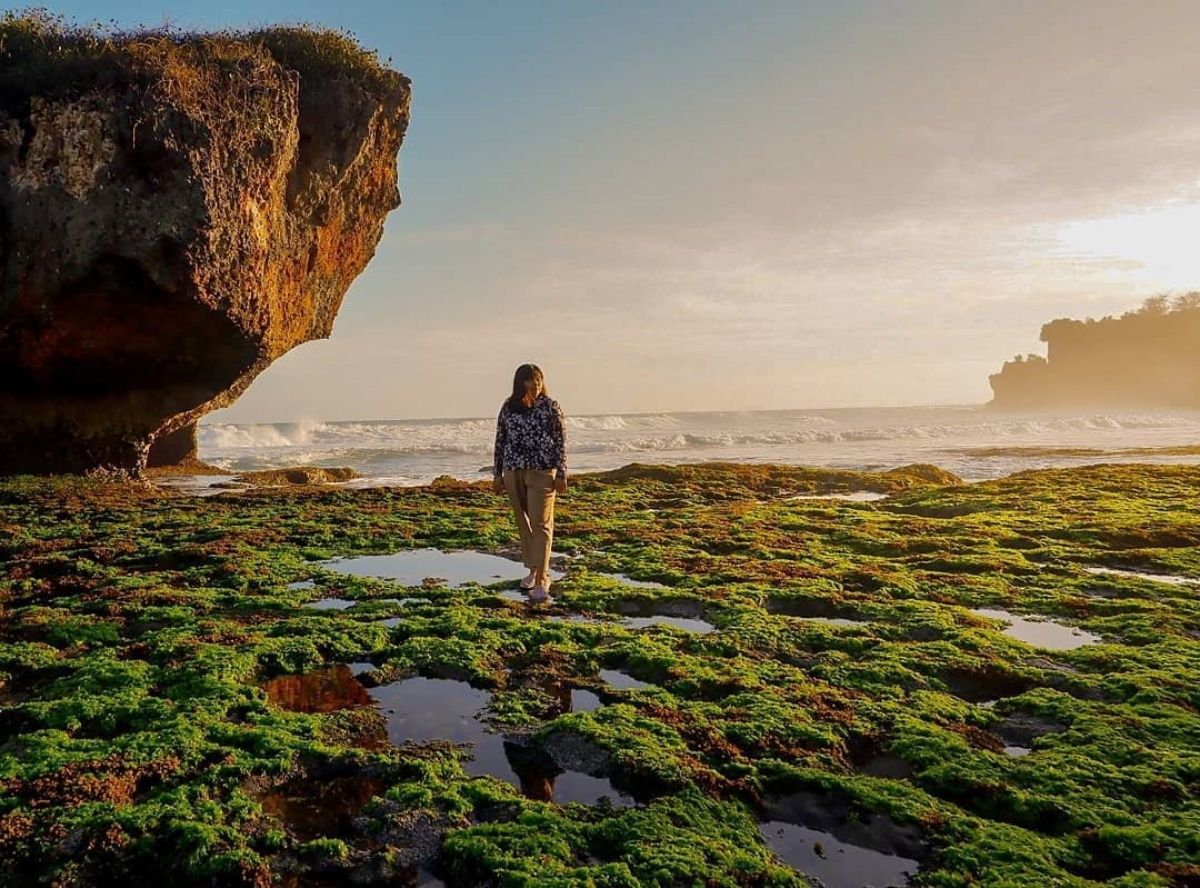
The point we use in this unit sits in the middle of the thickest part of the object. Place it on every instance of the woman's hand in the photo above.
(560, 484)
(498, 484)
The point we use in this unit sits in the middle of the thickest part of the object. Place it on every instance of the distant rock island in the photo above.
(1149, 357)
(176, 212)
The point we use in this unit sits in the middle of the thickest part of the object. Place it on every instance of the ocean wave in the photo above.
(974, 443)
(622, 434)
(228, 435)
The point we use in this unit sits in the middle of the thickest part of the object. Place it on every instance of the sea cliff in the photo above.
(176, 212)
(1145, 358)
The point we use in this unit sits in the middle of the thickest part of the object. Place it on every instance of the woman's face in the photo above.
(533, 388)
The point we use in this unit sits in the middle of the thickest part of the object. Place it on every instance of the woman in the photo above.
(531, 465)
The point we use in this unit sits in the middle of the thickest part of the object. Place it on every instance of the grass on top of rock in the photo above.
(139, 629)
(45, 54)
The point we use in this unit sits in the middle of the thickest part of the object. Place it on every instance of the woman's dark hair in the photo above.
(524, 373)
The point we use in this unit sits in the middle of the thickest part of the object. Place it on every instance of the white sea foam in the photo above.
(414, 451)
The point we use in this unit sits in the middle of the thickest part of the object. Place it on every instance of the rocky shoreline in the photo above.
(740, 680)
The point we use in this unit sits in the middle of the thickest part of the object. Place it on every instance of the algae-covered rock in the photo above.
(176, 212)
(919, 474)
(301, 475)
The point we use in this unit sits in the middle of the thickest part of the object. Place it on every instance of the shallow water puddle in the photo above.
(325, 604)
(680, 613)
(1018, 730)
(622, 680)
(301, 584)
(818, 836)
(854, 496)
(837, 864)
(688, 624)
(1169, 579)
(630, 581)
(569, 787)
(420, 710)
(425, 709)
(578, 619)
(324, 690)
(584, 701)
(313, 808)
(415, 566)
(1040, 632)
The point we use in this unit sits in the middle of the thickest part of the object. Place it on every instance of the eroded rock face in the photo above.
(171, 225)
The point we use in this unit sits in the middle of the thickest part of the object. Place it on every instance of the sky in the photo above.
(693, 205)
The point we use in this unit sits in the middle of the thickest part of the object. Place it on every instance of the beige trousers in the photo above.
(531, 492)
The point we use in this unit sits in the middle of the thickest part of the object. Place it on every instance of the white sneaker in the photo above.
(538, 593)
(528, 582)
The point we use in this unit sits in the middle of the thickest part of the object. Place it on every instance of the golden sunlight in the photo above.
(1156, 244)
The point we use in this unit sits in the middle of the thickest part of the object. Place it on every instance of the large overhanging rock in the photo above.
(175, 214)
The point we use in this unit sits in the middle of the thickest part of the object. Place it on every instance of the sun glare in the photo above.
(1158, 242)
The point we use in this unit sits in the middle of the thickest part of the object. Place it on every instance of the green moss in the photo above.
(45, 54)
(138, 628)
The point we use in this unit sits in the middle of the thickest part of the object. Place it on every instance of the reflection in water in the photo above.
(419, 710)
(1169, 579)
(630, 581)
(837, 864)
(688, 624)
(584, 789)
(325, 604)
(855, 496)
(424, 709)
(584, 701)
(542, 779)
(579, 619)
(622, 680)
(312, 808)
(414, 567)
(1039, 632)
(325, 690)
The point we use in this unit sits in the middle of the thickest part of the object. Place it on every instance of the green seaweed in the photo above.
(139, 626)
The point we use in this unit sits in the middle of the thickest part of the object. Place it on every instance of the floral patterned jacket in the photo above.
(535, 439)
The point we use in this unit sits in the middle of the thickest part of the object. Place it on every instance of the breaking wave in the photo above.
(946, 436)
